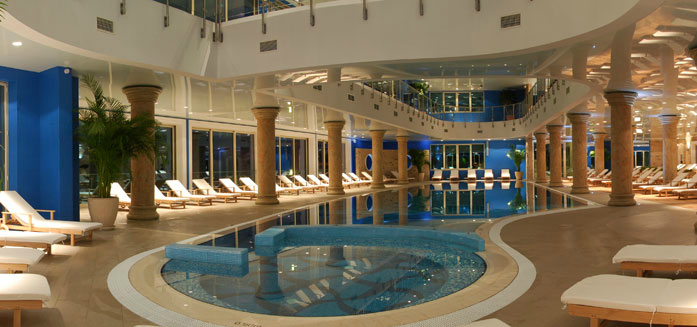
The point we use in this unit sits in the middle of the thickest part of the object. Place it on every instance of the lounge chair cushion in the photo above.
(657, 254)
(679, 297)
(27, 287)
(24, 256)
(61, 224)
(617, 292)
(13, 202)
(488, 323)
(31, 237)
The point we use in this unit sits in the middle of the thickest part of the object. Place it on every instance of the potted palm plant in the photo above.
(418, 159)
(517, 156)
(111, 139)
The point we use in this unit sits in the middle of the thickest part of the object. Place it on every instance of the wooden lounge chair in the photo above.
(20, 215)
(118, 191)
(23, 292)
(203, 186)
(652, 180)
(19, 259)
(325, 179)
(471, 175)
(233, 188)
(37, 240)
(359, 180)
(644, 258)
(171, 201)
(288, 186)
(654, 301)
(316, 181)
(674, 182)
(286, 182)
(686, 186)
(367, 176)
(437, 175)
(454, 175)
(488, 174)
(348, 180)
(388, 179)
(396, 175)
(250, 185)
(505, 174)
(179, 190)
(300, 181)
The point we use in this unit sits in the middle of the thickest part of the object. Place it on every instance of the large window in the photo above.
(322, 157)
(164, 160)
(462, 156)
(458, 203)
(291, 156)
(221, 154)
(457, 101)
(642, 159)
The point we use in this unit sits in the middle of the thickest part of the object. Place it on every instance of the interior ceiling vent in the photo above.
(510, 21)
(105, 25)
(268, 46)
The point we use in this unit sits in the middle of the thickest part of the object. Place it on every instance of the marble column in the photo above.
(377, 136)
(266, 154)
(541, 164)
(579, 145)
(541, 198)
(555, 155)
(337, 212)
(336, 187)
(378, 212)
(142, 100)
(599, 151)
(402, 159)
(622, 144)
(670, 146)
(529, 159)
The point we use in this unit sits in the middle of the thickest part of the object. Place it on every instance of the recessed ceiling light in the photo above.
(17, 43)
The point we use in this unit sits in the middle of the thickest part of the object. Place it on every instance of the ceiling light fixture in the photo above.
(17, 43)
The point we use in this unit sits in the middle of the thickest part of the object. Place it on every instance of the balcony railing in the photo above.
(233, 9)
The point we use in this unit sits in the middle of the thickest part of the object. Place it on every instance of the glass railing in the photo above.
(234, 9)
(482, 114)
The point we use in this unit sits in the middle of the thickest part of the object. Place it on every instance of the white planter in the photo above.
(103, 210)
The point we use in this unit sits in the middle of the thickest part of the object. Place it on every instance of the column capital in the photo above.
(553, 129)
(266, 112)
(142, 93)
(622, 98)
(377, 133)
(336, 124)
(402, 138)
(669, 119)
(579, 117)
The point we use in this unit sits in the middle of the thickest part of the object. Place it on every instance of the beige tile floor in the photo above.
(565, 247)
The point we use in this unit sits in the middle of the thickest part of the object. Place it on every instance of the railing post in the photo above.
(365, 10)
(203, 20)
(167, 14)
(263, 17)
(122, 7)
(312, 13)
(421, 7)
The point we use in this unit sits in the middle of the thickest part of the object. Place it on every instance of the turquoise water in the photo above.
(339, 278)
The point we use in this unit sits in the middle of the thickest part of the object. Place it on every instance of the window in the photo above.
(200, 154)
(458, 203)
(291, 156)
(164, 159)
(244, 155)
(450, 102)
(223, 155)
(457, 101)
(642, 159)
(322, 157)
(462, 156)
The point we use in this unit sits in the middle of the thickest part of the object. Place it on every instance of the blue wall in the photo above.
(42, 148)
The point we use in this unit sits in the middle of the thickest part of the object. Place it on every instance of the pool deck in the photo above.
(565, 247)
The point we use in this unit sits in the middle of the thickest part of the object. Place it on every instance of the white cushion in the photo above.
(25, 256)
(72, 225)
(31, 237)
(679, 297)
(488, 323)
(14, 202)
(25, 287)
(617, 292)
(657, 254)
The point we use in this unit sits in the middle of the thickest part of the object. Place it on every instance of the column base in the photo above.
(335, 191)
(623, 200)
(580, 190)
(266, 200)
(541, 181)
(555, 184)
(377, 186)
(403, 182)
(142, 213)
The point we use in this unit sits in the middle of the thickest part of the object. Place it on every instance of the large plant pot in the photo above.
(103, 210)
(519, 175)
(422, 176)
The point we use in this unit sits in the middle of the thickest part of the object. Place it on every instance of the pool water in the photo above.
(341, 278)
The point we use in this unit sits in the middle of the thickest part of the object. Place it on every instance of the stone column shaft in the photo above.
(402, 159)
(555, 155)
(599, 151)
(541, 163)
(579, 139)
(670, 146)
(403, 206)
(378, 181)
(336, 186)
(142, 100)
(622, 144)
(266, 154)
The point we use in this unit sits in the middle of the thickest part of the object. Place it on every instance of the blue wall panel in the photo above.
(41, 141)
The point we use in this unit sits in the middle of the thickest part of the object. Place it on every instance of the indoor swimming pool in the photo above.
(344, 274)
